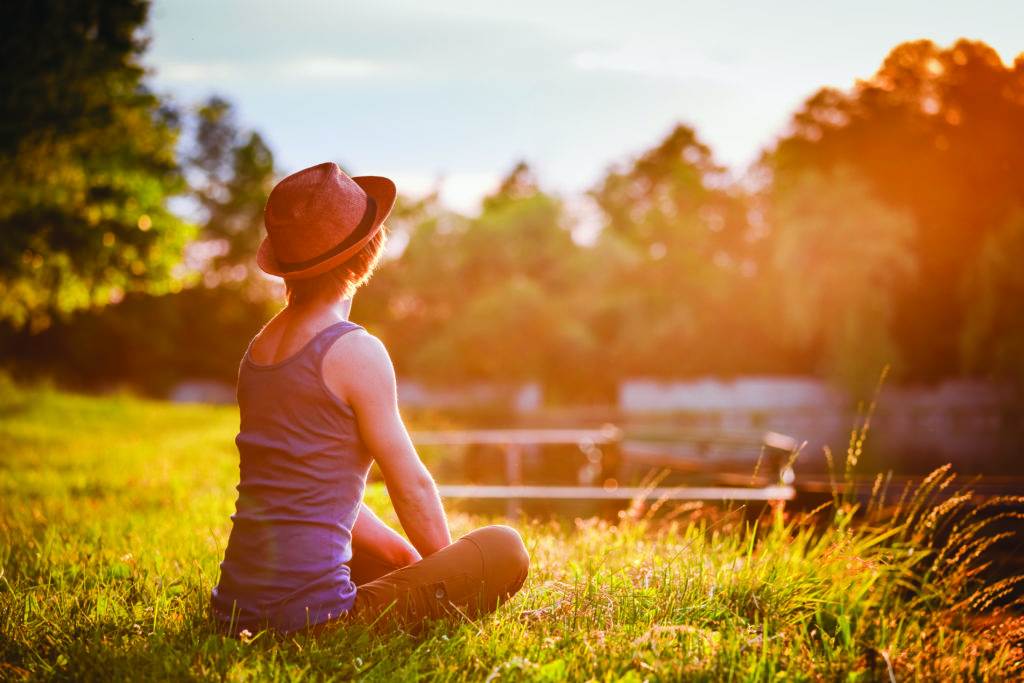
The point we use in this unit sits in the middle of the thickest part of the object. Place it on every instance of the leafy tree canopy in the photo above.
(938, 132)
(233, 175)
(837, 254)
(87, 161)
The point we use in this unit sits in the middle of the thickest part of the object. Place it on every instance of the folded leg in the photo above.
(366, 566)
(377, 549)
(470, 577)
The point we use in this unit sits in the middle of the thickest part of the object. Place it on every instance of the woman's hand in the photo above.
(371, 536)
(358, 370)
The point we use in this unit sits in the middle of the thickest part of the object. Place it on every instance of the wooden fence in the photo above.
(596, 444)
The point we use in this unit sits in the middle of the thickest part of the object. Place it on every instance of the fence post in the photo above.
(513, 477)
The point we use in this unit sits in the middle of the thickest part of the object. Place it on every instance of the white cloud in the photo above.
(332, 68)
(464, 192)
(191, 72)
(664, 62)
(315, 68)
(461, 191)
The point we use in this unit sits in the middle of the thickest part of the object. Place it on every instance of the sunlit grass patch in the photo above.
(114, 515)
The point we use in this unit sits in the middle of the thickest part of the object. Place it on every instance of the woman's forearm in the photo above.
(371, 535)
(421, 513)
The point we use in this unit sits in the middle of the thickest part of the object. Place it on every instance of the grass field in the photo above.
(114, 515)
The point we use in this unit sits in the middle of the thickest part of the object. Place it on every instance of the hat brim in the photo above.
(382, 190)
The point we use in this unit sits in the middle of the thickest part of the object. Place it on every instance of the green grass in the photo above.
(114, 515)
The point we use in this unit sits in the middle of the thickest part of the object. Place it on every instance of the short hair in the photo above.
(342, 281)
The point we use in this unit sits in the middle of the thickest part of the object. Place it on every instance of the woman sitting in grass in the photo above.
(318, 404)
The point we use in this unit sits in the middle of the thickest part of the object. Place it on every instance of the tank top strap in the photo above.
(326, 338)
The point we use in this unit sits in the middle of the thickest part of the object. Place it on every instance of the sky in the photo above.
(451, 93)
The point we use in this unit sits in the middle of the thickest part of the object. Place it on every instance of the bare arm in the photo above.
(370, 535)
(359, 371)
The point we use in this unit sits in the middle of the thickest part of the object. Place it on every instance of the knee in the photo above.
(503, 548)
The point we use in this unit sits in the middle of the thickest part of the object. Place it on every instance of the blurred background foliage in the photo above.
(87, 162)
(883, 226)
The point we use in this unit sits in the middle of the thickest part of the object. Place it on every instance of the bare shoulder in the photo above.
(358, 364)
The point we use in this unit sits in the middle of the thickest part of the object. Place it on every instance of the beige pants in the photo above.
(469, 578)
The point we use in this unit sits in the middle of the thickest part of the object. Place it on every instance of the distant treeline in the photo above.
(884, 227)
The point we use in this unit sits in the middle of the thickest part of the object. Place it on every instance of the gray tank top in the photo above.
(302, 473)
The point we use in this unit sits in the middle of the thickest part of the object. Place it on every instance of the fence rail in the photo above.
(715, 493)
(596, 442)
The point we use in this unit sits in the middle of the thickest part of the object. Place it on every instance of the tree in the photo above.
(149, 339)
(992, 341)
(234, 174)
(837, 256)
(87, 161)
(672, 254)
(937, 132)
(483, 298)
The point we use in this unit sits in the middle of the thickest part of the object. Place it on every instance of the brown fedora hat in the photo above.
(318, 218)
